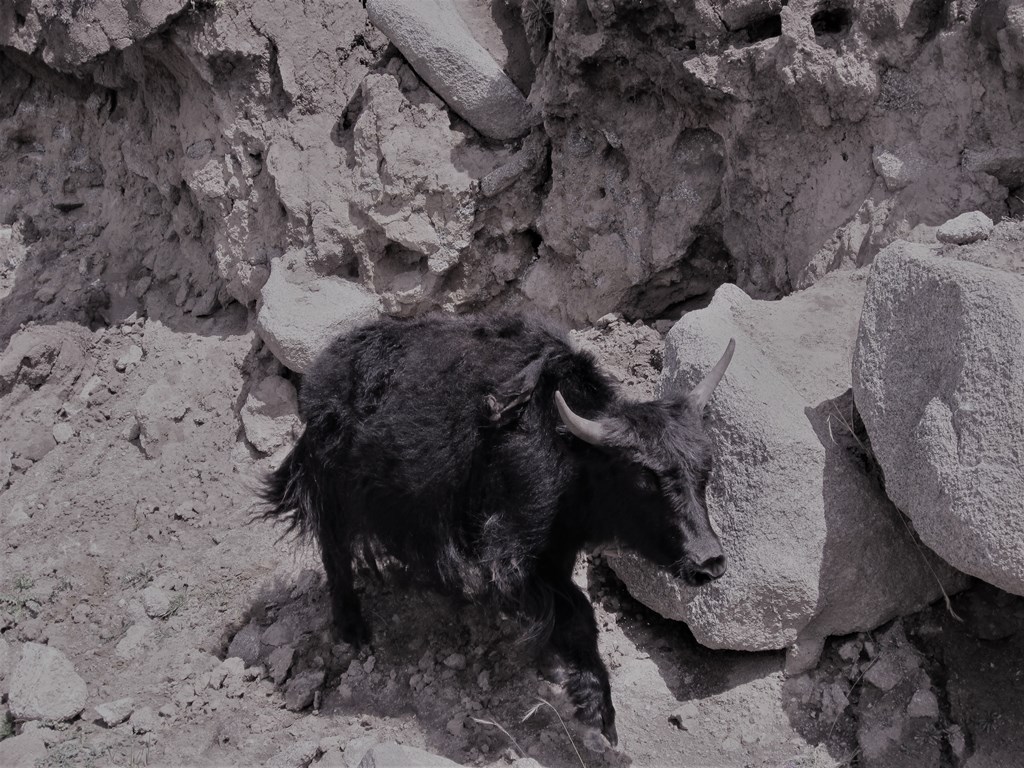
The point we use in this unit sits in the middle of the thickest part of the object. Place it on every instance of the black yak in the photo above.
(485, 452)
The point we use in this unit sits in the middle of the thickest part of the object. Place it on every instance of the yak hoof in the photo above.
(354, 631)
(608, 729)
(589, 692)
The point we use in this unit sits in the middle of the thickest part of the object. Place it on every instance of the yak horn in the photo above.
(587, 430)
(701, 394)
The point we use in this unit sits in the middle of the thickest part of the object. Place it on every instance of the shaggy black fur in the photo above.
(437, 440)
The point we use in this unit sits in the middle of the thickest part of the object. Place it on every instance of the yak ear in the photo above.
(502, 404)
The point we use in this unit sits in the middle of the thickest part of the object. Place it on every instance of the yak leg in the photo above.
(574, 642)
(348, 617)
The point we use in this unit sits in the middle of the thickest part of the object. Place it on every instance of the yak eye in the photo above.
(647, 481)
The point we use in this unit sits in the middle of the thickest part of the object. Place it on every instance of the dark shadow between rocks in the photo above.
(690, 671)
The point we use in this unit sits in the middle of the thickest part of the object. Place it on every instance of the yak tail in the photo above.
(291, 493)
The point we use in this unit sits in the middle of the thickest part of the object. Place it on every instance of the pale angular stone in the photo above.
(62, 432)
(965, 228)
(115, 712)
(299, 693)
(939, 382)
(156, 602)
(437, 43)
(44, 686)
(271, 414)
(132, 357)
(298, 320)
(143, 720)
(24, 751)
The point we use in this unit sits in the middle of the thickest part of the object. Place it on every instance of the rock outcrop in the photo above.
(44, 686)
(815, 548)
(939, 381)
(677, 148)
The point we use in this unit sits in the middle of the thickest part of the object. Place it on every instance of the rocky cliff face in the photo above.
(167, 153)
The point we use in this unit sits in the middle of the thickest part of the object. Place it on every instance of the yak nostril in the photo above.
(713, 567)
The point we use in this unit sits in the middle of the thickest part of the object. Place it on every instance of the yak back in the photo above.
(397, 416)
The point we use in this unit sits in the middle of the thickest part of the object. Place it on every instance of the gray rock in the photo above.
(230, 670)
(437, 44)
(44, 686)
(156, 602)
(299, 693)
(1011, 39)
(95, 391)
(160, 413)
(939, 382)
(134, 640)
(898, 168)
(115, 712)
(62, 432)
(332, 757)
(281, 632)
(455, 661)
(5, 467)
(280, 661)
(897, 660)
(271, 414)
(130, 358)
(924, 703)
(400, 756)
(246, 644)
(965, 228)
(888, 735)
(297, 320)
(36, 444)
(297, 755)
(738, 14)
(814, 546)
(22, 751)
(522, 162)
(5, 664)
(143, 720)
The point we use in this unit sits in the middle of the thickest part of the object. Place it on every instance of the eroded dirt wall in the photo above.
(167, 154)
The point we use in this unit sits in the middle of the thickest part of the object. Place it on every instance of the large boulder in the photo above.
(300, 315)
(939, 381)
(815, 548)
(437, 43)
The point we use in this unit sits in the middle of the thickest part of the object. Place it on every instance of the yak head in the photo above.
(651, 475)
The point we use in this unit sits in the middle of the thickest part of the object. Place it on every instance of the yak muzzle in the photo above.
(699, 574)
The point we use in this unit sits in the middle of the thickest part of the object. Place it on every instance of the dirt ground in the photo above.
(130, 546)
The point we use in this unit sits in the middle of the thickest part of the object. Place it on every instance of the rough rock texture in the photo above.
(44, 686)
(24, 751)
(201, 141)
(898, 709)
(441, 49)
(965, 228)
(298, 319)
(939, 381)
(695, 143)
(271, 414)
(814, 546)
(401, 756)
(116, 712)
